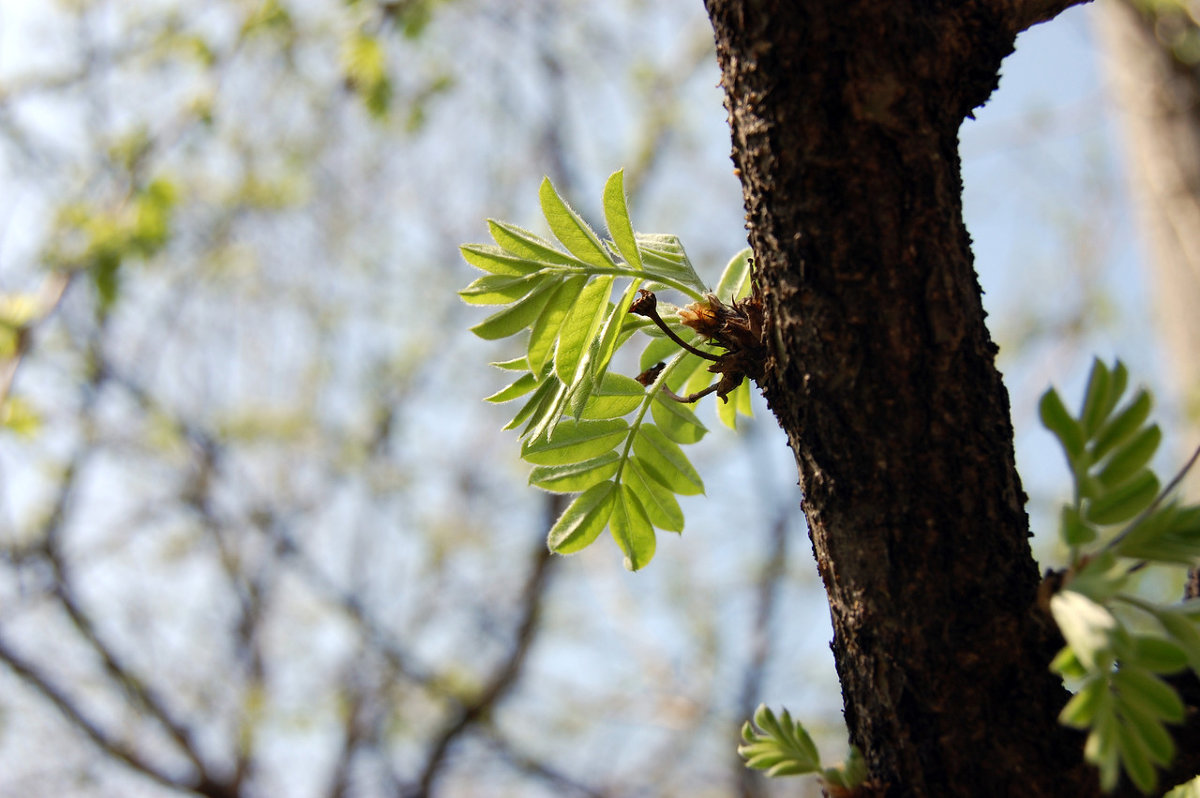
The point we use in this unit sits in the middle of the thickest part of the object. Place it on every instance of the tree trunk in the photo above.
(845, 119)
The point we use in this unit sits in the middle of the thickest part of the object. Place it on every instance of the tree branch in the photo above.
(505, 676)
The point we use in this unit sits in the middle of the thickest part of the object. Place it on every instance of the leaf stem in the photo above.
(647, 305)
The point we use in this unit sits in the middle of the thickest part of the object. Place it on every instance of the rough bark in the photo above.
(845, 118)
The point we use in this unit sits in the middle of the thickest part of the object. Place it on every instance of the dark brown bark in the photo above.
(845, 118)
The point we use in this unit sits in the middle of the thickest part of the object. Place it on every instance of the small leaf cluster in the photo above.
(782, 747)
(585, 429)
(99, 241)
(1120, 521)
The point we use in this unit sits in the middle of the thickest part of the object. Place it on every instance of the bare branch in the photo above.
(505, 676)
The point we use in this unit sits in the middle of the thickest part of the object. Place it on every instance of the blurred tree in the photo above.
(1154, 68)
(258, 533)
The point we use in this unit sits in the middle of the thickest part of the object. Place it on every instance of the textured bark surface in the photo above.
(845, 118)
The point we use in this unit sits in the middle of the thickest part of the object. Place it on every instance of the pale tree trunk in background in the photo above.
(1158, 96)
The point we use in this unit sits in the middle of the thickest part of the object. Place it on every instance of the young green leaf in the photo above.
(515, 318)
(1134, 758)
(544, 333)
(665, 461)
(612, 335)
(497, 261)
(616, 396)
(1123, 503)
(616, 216)
(676, 421)
(1156, 654)
(1130, 457)
(536, 404)
(583, 521)
(575, 477)
(499, 289)
(580, 327)
(1055, 418)
(1095, 399)
(526, 245)
(1082, 708)
(657, 500)
(1184, 632)
(631, 529)
(575, 441)
(1150, 694)
(735, 280)
(1121, 426)
(663, 257)
(570, 229)
(523, 385)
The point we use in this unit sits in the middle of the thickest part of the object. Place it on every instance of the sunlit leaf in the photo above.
(514, 318)
(583, 520)
(580, 328)
(526, 246)
(676, 421)
(616, 216)
(575, 441)
(570, 229)
(616, 396)
(575, 477)
(665, 461)
(631, 529)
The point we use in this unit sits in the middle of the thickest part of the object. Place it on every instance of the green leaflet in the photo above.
(616, 216)
(575, 477)
(779, 745)
(523, 385)
(498, 289)
(657, 500)
(666, 462)
(525, 246)
(663, 257)
(575, 441)
(512, 320)
(676, 421)
(498, 261)
(735, 280)
(571, 230)
(616, 396)
(583, 520)
(544, 332)
(631, 529)
(580, 328)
